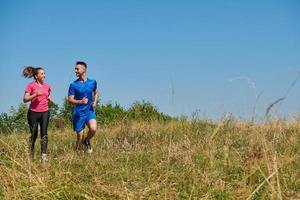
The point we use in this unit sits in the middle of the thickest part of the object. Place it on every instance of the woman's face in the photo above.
(41, 75)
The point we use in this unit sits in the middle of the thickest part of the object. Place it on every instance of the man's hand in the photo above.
(94, 105)
(84, 100)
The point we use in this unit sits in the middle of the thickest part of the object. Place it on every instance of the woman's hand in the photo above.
(39, 93)
(27, 97)
(51, 99)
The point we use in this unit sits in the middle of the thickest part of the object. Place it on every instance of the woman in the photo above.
(38, 93)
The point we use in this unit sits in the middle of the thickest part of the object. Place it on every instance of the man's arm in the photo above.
(95, 97)
(72, 100)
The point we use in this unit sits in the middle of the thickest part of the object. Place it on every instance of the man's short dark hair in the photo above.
(81, 63)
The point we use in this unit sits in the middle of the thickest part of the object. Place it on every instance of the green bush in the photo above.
(66, 113)
(145, 111)
(14, 122)
(107, 114)
(110, 114)
(54, 115)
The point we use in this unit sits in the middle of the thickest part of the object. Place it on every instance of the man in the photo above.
(83, 94)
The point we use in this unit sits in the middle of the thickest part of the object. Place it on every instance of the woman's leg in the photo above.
(44, 121)
(32, 118)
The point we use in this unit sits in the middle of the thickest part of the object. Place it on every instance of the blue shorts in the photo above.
(80, 120)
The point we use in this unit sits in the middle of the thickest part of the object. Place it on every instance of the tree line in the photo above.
(15, 121)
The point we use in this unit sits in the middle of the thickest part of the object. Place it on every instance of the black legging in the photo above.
(35, 119)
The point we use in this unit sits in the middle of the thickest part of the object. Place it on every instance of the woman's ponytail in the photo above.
(29, 71)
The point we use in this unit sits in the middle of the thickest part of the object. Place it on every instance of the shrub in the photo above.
(110, 114)
(14, 122)
(146, 111)
(107, 114)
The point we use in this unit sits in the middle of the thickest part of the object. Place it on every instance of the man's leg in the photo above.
(78, 125)
(92, 125)
(79, 140)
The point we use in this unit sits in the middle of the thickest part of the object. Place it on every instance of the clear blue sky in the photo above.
(183, 56)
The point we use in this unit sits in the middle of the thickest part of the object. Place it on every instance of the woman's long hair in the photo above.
(30, 71)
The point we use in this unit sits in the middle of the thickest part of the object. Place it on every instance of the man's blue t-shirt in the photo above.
(80, 90)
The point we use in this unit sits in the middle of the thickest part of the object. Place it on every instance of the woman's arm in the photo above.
(27, 97)
(51, 99)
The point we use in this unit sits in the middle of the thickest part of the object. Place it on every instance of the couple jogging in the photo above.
(83, 94)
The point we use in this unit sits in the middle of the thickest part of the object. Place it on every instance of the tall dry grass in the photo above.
(175, 160)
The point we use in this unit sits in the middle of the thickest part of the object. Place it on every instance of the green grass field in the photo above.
(175, 160)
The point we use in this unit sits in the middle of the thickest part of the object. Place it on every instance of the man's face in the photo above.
(79, 70)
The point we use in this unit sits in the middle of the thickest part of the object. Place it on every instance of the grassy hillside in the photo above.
(173, 160)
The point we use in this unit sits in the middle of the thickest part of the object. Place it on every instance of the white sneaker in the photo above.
(87, 146)
(44, 157)
(89, 150)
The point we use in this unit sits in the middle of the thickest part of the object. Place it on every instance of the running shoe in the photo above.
(88, 146)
